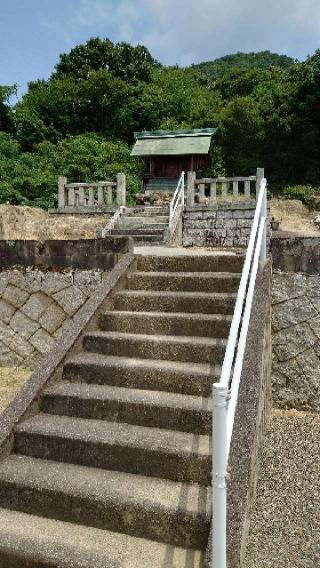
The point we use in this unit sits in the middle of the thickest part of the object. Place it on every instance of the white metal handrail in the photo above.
(177, 199)
(225, 401)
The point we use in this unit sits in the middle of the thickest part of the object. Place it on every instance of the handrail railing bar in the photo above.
(233, 334)
(177, 188)
(243, 336)
(178, 194)
(223, 421)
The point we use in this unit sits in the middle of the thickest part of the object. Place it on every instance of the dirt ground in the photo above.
(294, 216)
(285, 522)
(11, 381)
(31, 223)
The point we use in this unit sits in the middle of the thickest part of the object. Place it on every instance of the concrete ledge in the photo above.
(51, 367)
(82, 253)
(295, 253)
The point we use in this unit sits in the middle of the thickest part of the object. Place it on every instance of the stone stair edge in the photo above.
(28, 538)
(70, 492)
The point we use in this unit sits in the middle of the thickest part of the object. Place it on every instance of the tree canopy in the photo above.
(80, 122)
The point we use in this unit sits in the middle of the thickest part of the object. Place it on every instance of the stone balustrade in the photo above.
(91, 196)
(213, 191)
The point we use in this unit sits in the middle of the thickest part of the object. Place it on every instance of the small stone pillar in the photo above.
(190, 188)
(62, 182)
(121, 189)
(260, 176)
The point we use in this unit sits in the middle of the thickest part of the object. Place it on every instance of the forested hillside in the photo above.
(260, 60)
(80, 122)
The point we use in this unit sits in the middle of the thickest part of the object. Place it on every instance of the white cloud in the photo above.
(183, 31)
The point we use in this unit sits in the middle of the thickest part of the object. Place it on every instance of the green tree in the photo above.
(124, 61)
(240, 135)
(32, 177)
(56, 108)
(94, 55)
(6, 115)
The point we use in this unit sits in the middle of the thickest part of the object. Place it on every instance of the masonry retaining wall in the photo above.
(296, 321)
(43, 286)
(86, 254)
(227, 225)
(295, 253)
(36, 307)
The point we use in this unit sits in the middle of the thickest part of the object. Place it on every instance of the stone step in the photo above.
(156, 409)
(191, 263)
(144, 231)
(148, 211)
(184, 281)
(182, 348)
(29, 541)
(155, 227)
(143, 237)
(148, 507)
(129, 372)
(154, 452)
(166, 323)
(163, 301)
(142, 221)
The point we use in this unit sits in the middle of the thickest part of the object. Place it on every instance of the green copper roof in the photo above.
(173, 142)
(174, 133)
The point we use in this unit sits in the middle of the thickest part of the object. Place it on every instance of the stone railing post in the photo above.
(191, 177)
(121, 189)
(100, 194)
(260, 176)
(62, 192)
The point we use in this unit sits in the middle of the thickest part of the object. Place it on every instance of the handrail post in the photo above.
(264, 211)
(219, 475)
(259, 178)
(182, 192)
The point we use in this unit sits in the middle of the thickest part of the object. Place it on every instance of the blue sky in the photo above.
(34, 32)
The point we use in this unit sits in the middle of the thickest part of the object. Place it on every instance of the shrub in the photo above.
(9, 194)
(309, 195)
(31, 178)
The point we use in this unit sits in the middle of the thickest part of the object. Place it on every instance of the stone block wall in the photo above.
(296, 340)
(227, 225)
(101, 254)
(296, 253)
(36, 307)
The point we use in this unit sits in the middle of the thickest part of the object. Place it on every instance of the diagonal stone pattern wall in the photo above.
(296, 340)
(36, 307)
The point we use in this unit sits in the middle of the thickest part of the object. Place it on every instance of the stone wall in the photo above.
(296, 340)
(296, 253)
(101, 254)
(227, 225)
(36, 307)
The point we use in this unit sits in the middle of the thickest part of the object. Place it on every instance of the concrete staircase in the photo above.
(115, 470)
(144, 224)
